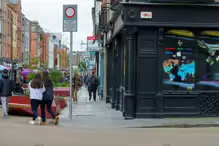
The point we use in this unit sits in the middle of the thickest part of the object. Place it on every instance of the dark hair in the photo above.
(5, 71)
(47, 81)
(37, 82)
(93, 72)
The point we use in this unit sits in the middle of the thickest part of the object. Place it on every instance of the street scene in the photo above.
(109, 72)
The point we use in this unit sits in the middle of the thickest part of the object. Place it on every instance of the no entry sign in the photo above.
(70, 12)
(69, 18)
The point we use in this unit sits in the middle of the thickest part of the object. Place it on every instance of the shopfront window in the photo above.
(208, 69)
(191, 60)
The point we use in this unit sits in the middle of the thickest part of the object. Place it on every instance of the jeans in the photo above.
(94, 91)
(48, 104)
(34, 106)
(5, 104)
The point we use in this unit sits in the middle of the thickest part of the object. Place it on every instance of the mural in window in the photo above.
(181, 69)
(179, 64)
(208, 72)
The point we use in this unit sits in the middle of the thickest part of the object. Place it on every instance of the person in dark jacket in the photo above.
(92, 84)
(47, 101)
(6, 88)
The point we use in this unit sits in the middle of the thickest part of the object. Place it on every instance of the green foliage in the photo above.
(84, 65)
(31, 76)
(77, 71)
(56, 77)
(65, 84)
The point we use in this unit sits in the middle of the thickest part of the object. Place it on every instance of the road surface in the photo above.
(16, 132)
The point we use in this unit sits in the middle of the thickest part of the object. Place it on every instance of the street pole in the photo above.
(70, 66)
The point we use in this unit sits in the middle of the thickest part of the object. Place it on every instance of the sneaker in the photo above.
(32, 122)
(39, 120)
(56, 121)
(5, 117)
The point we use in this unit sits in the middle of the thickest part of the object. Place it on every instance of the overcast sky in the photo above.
(49, 14)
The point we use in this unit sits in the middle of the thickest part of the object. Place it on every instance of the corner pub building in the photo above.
(163, 59)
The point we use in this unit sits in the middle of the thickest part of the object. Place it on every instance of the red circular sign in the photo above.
(70, 12)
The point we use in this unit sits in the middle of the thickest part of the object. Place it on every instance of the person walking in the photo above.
(76, 85)
(36, 88)
(92, 84)
(6, 88)
(47, 101)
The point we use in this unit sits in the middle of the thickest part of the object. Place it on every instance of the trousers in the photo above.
(5, 104)
(94, 91)
(47, 104)
(34, 106)
(74, 94)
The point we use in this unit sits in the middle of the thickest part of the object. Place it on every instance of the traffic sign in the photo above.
(70, 18)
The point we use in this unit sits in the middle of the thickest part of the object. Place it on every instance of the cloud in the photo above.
(49, 14)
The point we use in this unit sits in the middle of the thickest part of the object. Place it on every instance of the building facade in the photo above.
(27, 41)
(44, 48)
(51, 58)
(3, 28)
(163, 65)
(35, 43)
(16, 5)
(11, 34)
(23, 38)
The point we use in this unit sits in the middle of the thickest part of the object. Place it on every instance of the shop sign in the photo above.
(146, 15)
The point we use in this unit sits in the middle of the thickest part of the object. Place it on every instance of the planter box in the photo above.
(21, 104)
(64, 92)
(62, 103)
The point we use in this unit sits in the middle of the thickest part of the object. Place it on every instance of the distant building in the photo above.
(3, 28)
(27, 40)
(16, 5)
(35, 40)
(77, 57)
(12, 34)
(51, 53)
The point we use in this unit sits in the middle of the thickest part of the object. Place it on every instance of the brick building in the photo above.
(3, 32)
(16, 5)
(11, 33)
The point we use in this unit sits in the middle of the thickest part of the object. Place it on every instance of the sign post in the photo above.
(70, 25)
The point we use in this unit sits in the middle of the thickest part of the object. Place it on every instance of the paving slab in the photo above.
(100, 115)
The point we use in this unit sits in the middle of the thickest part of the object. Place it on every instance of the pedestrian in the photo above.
(6, 88)
(37, 89)
(85, 79)
(92, 84)
(76, 85)
(47, 101)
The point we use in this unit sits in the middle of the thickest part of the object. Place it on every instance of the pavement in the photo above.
(96, 124)
(13, 133)
(100, 115)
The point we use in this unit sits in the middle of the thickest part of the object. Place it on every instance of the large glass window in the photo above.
(178, 62)
(208, 60)
(191, 60)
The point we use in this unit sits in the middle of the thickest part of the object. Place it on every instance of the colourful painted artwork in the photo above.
(180, 72)
(180, 68)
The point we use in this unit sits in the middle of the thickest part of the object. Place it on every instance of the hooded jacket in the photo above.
(6, 86)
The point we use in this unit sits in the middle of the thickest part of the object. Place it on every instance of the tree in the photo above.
(56, 77)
